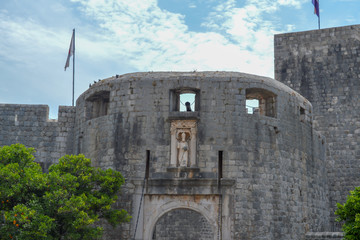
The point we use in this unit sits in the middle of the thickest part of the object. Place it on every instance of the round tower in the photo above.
(207, 155)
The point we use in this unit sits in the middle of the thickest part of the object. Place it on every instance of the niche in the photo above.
(183, 143)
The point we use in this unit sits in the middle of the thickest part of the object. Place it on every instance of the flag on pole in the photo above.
(316, 7)
(71, 50)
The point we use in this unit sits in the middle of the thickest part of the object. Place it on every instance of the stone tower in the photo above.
(324, 66)
(221, 170)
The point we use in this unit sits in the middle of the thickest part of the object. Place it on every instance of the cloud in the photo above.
(138, 32)
(154, 39)
(20, 41)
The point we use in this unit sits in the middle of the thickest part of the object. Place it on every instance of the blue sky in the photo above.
(122, 36)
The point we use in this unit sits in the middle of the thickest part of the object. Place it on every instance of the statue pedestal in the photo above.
(184, 172)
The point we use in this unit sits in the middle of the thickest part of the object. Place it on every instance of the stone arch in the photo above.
(208, 208)
(182, 223)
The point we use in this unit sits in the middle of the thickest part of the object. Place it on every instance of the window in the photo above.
(147, 164)
(220, 165)
(260, 101)
(98, 104)
(184, 100)
(252, 106)
(187, 102)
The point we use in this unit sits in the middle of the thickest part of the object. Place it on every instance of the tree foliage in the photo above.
(349, 213)
(65, 203)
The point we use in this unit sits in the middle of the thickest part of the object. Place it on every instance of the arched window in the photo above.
(260, 101)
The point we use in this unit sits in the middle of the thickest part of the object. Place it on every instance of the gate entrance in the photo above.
(182, 223)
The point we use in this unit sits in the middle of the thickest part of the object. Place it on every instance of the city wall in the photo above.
(31, 126)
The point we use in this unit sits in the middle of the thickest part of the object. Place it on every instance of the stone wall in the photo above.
(324, 66)
(324, 236)
(274, 158)
(30, 125)
(251, 174)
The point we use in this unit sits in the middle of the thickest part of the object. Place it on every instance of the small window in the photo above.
(260, 101)
(184, 100)
(302, 114)
(252, 106)
(98, 104)
(187, 102)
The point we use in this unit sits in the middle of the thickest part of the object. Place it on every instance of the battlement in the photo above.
(31, 126)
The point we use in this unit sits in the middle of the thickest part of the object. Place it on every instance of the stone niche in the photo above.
(183, 143)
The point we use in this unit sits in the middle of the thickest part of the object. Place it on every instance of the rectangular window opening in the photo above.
(220, 165)
(184, 100)
(302, 111)
(147, 169)
(302, 114)
(260, 101)
(187, 102)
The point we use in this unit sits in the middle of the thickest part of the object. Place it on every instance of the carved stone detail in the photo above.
(183, 143)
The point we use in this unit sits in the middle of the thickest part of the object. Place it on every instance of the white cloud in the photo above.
(155, 39)
(26, 36)
(150, 38)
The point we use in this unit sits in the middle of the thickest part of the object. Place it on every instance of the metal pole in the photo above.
(319, 14)
(73, 83)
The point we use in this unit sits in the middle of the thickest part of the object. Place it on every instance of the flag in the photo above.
(71, 50)
(316, 7)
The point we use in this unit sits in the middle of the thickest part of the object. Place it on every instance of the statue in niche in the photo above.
(183, 143)
(183, 150)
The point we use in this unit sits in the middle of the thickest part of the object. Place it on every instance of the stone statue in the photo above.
(188, 107)
(183, 150)
(183, 143)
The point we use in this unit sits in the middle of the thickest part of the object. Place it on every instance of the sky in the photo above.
(123, 36)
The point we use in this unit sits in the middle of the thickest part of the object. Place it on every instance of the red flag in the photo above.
(71, 50)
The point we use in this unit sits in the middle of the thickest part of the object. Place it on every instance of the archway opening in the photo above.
(182, 223)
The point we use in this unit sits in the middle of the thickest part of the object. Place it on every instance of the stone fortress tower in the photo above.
(219, 171)
(324, 66)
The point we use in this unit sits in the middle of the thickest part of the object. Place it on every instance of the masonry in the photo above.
(30, 125)
(324, 66)
(220, 169)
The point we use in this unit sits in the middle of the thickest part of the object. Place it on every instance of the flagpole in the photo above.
(319, 14)
(73, 83)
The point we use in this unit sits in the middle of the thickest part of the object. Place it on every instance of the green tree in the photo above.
(65, 203)
(349, 213)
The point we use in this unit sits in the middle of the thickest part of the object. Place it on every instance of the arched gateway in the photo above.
(181, 217)
(182, 223)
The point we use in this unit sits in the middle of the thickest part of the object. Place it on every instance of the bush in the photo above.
(62, 204)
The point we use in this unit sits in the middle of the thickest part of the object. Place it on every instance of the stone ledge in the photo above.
(188, 186)
(324, 236)
(184, 115)
(183, 169)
